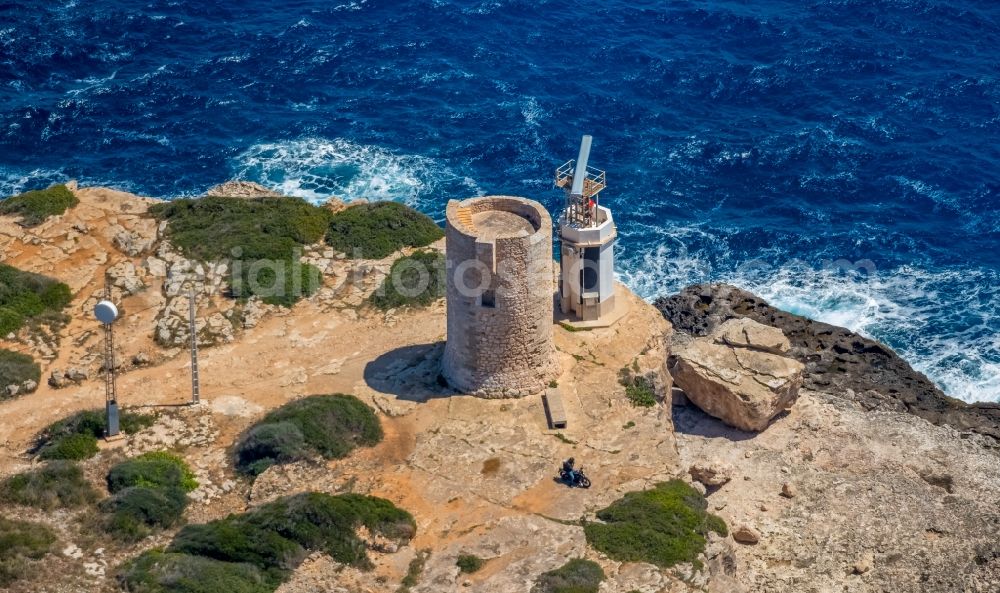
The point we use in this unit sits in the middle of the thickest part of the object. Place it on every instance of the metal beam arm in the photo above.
(581, 166)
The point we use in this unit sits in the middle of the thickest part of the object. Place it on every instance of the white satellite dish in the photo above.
(106, 312)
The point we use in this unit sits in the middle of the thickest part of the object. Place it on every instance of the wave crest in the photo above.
(317, 169)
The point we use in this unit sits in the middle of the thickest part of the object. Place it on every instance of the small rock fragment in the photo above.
(865, 563)
(712, 473)
(745, 534)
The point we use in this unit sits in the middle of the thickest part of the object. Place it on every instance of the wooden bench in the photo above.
(554, 408)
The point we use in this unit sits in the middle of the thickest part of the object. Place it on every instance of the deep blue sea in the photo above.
(840, 158)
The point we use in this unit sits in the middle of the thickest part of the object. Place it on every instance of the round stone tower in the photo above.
(500, 297)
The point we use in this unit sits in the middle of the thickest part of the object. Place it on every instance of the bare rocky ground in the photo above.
(840, 498)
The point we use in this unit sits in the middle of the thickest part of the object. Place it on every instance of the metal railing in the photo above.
(594, 182)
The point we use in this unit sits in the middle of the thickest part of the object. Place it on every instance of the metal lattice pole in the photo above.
(110, 382)
(195, 379)
(111, 394)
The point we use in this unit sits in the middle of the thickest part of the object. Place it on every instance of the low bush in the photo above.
(15, 369)
(379, 229)
(74, 447)
(469, 563)
(416, 280)
(662, 526)
(150, 493)
(20, 543)
(330, 426)
(576, 576)
(278, 282)
(35, 206)
(239, 539)
(157, 469)
(278, 535)
(75, 437)
(638, 388)
(137, 512)
(267, 444)
(159, 572)
(259, 549)
(25, 296)
(262, 236)
(216, 228)
(58, 484)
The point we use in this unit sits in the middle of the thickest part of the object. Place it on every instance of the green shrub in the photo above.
(75, 437)
(10, 321)
(576, 576)
(248, 231)
(662, 526)
(58, 484)
(157, 469)
(159, 572)
(15, 369)
(134, 513)
(283, 283)
(21, 542)
(35, 206)
(330, 426)
(638, 388)
(150, 493)
(133, 422)
(24, 296)
(267, 444)
(379, 229)
(75, 447)
(239, 539)
(276, 537)
(416, 280)
(469, 563)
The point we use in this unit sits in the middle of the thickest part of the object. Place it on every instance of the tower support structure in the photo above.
(587, 234)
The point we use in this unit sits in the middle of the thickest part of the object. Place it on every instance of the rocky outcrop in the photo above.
(241, 189)
(133, 242)
(125, 276)
(734, 375)
(71, 376)
(838, 362)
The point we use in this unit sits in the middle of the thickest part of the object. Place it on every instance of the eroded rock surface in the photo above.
(241, 189)
(733, 375)
(838, 361)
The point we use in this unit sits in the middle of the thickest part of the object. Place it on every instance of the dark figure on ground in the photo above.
(573, 477)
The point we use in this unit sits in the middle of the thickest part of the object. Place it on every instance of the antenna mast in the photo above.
(106, 312)
(195, 379)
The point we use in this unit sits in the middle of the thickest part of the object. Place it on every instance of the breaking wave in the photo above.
(317, 169)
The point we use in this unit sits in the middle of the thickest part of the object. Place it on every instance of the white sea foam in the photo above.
(13, 182)
(945, 323)
(317, 169)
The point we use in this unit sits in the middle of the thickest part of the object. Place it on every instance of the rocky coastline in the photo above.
(837, 361)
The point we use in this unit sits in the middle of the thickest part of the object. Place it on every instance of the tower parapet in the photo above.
(499, 257)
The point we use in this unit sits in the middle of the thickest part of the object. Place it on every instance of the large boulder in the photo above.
(734, 375)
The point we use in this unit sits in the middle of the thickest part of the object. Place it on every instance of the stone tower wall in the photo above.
(500, 300)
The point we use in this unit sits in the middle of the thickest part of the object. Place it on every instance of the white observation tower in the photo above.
(587, 233)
